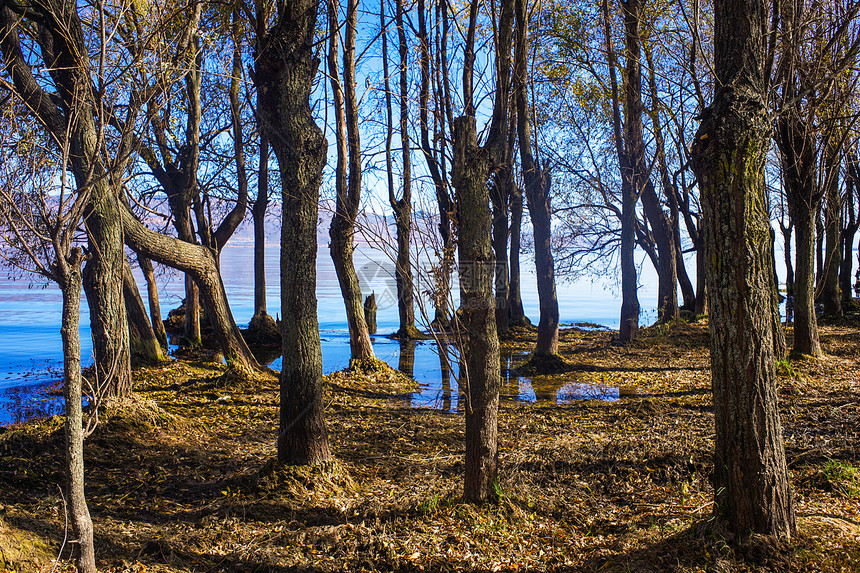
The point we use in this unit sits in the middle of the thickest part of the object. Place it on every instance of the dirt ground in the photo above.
(182, 479)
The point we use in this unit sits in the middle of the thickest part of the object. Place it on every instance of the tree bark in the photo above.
(480, 367)
(515, 300)
(752, 491)
(142, 339)
(629, 320)
(199, 263)
(284, 75)
(258, 212)
(79, 515)
(152, 296)
(850, 226)
(347, 179)
(444, 204)
(499, 198)
(831, 296)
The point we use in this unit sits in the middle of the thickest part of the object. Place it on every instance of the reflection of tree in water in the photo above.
(407, 358)
(561, 389)
(445, 367)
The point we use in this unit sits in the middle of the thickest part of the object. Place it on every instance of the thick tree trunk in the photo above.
(152, 296)
(142, 339)
(480, 369)
(752, 491)
(103, 283)
(79, 515)
(198, 262)
(284, 76)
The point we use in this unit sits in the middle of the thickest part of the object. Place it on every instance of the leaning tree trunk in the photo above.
(481, 374)
(285, 70)
(667, 261)
(143, 342)
(198, 262)
(79, 515)
(751, 485)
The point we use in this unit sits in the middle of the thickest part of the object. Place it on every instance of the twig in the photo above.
(65, 530)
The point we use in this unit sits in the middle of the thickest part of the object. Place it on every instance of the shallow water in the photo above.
(31, 349)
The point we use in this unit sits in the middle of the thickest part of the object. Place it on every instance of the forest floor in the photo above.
(183, 480)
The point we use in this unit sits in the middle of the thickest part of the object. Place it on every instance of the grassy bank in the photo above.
(182, 479)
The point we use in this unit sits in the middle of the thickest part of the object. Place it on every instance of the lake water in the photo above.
(31, 349)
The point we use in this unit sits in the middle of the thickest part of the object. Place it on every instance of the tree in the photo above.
(284, 71)
(347, 177)
(472, 167)
(67, 91)
(751, 484)
(41, 229)
(537, 191)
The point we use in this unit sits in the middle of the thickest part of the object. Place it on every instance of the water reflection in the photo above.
(428, 363)
(406, 364)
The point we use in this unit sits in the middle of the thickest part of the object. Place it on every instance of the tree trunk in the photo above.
(258, 212)
(442, 288)
(537, 191)
(629, 321)
(667, 262)
(805, 321)
(142, 339)
(515, 300)
(285, 68)
(152, 296)
(347, 180)
(198, 262)
(79, 515)
(102, 281)
(751, 485)
(499, 199)
(831, 296)
(480, 368)
(850, 226)
(701, 283)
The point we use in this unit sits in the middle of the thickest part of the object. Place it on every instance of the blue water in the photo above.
(31, 349)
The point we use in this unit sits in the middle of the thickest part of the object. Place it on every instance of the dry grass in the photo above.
(587, 486)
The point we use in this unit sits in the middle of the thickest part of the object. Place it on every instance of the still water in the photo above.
(31, 349)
